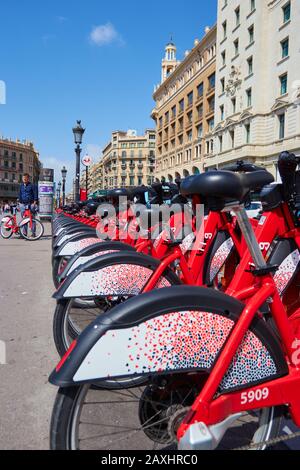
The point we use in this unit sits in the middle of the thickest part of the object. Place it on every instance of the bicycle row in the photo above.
(179, 329)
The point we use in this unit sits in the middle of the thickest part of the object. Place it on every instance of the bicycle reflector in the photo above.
(61, 363)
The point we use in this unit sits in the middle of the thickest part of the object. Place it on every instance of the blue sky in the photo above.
(95, 60)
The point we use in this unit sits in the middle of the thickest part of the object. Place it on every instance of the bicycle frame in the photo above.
(15, 226)
(284, 391)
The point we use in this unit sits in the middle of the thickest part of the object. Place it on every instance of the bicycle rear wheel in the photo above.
(144, 418)
(6, 229)
(29, 235)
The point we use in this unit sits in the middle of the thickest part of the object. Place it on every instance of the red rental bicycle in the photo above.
(29, 228)
(219, 375)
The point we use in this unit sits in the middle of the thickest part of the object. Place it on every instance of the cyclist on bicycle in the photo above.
(28, 197)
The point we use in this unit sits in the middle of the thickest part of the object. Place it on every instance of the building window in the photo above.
(200, 131)
(250, 65)
(283, 84)
(248, 133)
(173, 112)
(200, 111)
(286, 12)
(212, 81)
(238, 16)
(231, 135)
(222, 84)
(249, 97)
(221, 143)
(160, 122)
(222, 112)
(200, 90)
(223, 55)
(211, 105)
(190, 136)
(281, 119)
(251, 34)
(211, 124)
(233, 102)
(181, 106)
(285, 48)
(236, 47)
(224, 26)
(190, 98)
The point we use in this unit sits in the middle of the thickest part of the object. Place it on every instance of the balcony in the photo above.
(199, 98)
(140, 166)
(199, 117)
(210, 90)
(132, 166)
(123, 166)
(210, 112)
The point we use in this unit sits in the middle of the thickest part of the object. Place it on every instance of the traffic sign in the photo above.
(87, 160)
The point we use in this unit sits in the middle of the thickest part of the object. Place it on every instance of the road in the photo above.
(26, 311)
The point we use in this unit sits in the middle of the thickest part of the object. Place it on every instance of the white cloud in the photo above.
(104, 35)
(61, 19)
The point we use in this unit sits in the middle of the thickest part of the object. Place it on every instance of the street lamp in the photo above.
(64, 176)
(58, 194)
(78, 132)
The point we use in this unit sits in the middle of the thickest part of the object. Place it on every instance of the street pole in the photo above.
(64, 193)
(86, 180)
(77, 181)
(78, 132)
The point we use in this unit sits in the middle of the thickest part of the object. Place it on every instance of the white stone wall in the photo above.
(268, 66)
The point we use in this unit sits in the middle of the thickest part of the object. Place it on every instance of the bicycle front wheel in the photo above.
(29, 234)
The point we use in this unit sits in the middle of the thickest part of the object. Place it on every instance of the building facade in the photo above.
(257, 112)
(16, 158)
(184, 111)
(128, 160)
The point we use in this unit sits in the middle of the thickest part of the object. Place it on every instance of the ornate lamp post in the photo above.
(64, 176)
(58, 194)
(78, 132)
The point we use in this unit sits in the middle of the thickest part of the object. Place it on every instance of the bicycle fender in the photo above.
(217, 256)
(5, 220)
(116, 274)
(286, 255)
(24, 222)
(167, 332)
(91, 252)
(75, 244)
(69, 234)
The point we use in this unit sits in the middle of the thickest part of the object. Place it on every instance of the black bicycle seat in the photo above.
(225, 184)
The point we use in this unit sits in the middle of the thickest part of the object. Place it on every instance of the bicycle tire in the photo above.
(3, 235)
(33, 239)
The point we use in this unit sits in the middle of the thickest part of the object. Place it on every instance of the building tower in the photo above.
(169, 62)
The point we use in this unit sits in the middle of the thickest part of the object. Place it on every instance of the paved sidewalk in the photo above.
(26, 311)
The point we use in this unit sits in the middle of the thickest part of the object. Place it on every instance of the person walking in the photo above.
(28, 197)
